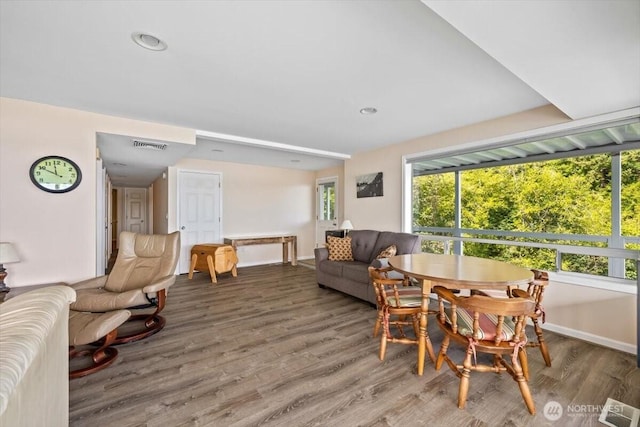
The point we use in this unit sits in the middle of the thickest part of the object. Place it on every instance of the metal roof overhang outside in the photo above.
(612, 137)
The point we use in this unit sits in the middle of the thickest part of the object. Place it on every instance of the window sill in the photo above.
(605, 283)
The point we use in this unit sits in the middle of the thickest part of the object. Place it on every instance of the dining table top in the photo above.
(460, 270)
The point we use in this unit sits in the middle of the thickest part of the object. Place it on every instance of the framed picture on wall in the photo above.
(369, 185)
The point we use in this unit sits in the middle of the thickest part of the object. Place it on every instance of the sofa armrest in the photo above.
(321, 254)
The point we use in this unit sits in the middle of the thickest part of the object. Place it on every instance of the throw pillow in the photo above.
(388, 252)
(339, 249)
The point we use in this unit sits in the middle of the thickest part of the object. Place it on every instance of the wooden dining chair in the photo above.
(536, 290)
(398, 305)
(487, 325)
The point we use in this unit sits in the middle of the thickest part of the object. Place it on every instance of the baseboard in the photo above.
(596, 339)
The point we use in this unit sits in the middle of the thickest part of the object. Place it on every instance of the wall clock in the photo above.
(55, 174)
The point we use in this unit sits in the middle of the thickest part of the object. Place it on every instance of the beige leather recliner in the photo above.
(143, 271)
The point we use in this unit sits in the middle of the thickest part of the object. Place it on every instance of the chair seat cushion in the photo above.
(487, 325)
(410, 296)
(100, 300)
(85, 328)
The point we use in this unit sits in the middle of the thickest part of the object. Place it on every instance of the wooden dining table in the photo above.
(454, 272)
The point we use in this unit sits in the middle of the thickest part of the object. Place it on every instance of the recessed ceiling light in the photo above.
(368, 110)
(295, 161)
(148, 41)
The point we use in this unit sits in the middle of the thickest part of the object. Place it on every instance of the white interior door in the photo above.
(326, 207)
(199, 210)
(135, 214)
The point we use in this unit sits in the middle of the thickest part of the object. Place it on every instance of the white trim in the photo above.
(529, 134)
(101, 174)
(589, 281)
(406, 197)
(596, 339)
(270, 144)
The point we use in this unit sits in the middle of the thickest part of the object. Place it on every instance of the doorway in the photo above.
(135, 210)
(326, 207)
(199, 212)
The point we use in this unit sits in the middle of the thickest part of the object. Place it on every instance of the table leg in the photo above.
(424, 343)
(285, 252)
(294, 251)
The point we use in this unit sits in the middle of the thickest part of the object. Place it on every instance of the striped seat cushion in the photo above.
(410, 296)
(487, 325)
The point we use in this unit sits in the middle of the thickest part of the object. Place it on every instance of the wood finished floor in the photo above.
(271, 348)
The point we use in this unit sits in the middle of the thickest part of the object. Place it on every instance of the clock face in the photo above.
(55, 174)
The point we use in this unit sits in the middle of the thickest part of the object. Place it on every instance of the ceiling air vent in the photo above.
(149, 145)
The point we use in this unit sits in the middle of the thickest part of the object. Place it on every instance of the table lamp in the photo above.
(8, 255)
(346, 226)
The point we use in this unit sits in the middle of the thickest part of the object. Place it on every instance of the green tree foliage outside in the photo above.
(566, 196)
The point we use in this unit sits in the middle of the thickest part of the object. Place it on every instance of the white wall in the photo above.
(259, 200)
(55, 234)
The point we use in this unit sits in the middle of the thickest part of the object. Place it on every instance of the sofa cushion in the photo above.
(363, 243)
(339, 249)
(405, 243)
(333, 268)
(387, 252)
(356, 271)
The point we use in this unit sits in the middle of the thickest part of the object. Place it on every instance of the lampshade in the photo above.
(8, 253)
(346, 225)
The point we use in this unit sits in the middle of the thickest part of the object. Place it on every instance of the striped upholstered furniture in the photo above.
(398, 304)
(486, 325)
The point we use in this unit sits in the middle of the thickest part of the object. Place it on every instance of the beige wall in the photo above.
(258, 200)
(606, 317)
(55, 234)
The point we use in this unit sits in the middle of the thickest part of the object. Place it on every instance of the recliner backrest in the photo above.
(143, 259)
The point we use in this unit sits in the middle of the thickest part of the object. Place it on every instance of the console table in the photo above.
(264, 240)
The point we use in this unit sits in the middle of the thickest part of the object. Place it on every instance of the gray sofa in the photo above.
(352, 277)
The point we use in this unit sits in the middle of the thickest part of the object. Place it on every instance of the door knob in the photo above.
(183, 227)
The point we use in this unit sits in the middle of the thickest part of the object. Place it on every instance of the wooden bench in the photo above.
(214, 258)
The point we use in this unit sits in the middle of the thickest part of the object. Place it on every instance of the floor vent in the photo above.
(618, 414)
(149, 145)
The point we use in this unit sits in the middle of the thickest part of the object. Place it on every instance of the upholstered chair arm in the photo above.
(93, 283)
(160, 284)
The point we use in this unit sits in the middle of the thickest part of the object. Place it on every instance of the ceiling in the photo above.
(282, 83)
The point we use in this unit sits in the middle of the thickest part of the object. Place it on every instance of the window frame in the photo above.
(456, 240)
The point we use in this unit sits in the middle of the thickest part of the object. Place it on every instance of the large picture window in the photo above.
(551, 209)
